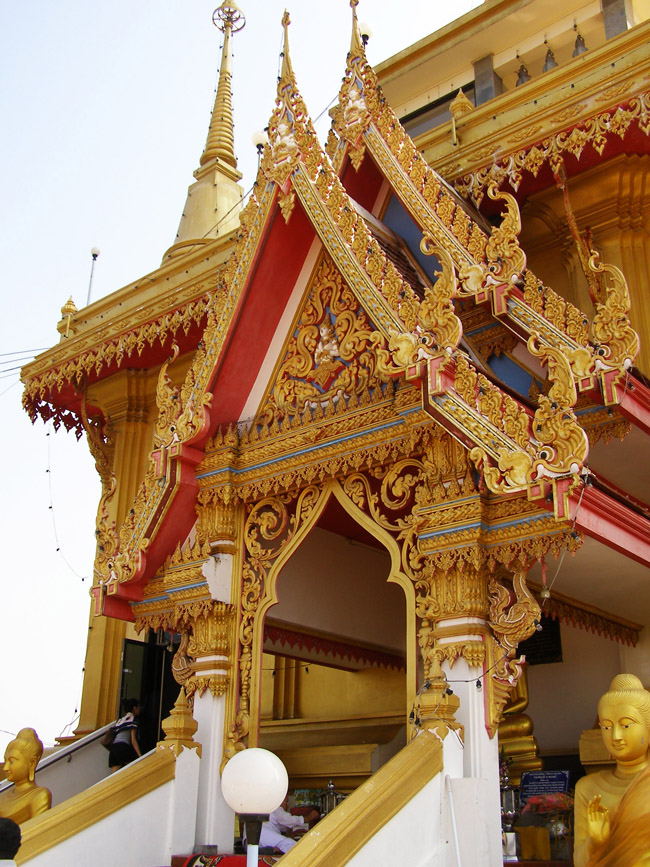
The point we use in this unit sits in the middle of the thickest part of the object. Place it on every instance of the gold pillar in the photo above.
(209, 648)
(612, 201)
(125, 399)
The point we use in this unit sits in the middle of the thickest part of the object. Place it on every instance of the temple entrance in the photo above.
(333, 677)
(147, 676)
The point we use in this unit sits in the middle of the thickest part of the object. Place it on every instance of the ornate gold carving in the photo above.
(526, 132)
(473, 652)
(356, 253)
(554, 445)
(94, 353)
(564, 445)
(269, 527)
(505, 257)
(505, 671)
(330, 356)
(594, 131)
(201, 683)
(209, 644)
(168, 403)
(512, 622)
(604, 424)
(351, 116)
(365, 431)
(436, 314)
(617, 344)
(210, 623)
(182, 661)
(217, 520)
(180, 727)
(291, 134)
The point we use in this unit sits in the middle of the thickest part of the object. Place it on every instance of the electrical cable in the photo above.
(51, 508)
(30, 352)
(10, 387)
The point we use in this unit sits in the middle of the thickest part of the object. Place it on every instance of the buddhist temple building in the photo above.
(366, 438)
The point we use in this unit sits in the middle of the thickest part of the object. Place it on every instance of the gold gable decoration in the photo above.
(493, 265)
(330, 356)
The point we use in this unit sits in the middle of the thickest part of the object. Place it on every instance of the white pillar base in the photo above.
(215, 821)
(480, 763)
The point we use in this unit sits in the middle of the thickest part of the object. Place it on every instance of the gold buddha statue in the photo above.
(24, 799)
(624, 718)
(517, 743)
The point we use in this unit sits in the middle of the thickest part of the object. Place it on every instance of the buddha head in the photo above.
(624, 716)
(22, 755)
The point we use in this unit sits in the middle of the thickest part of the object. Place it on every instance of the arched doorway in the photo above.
(333, 606)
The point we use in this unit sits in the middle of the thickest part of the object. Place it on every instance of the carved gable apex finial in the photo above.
(351, 116)
(460, 105)
(290, 130)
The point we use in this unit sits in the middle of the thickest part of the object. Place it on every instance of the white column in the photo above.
(480, 761)
(215, 821)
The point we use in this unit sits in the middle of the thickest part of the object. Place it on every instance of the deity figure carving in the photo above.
(24, 799)
(328, 347)
(612, 803)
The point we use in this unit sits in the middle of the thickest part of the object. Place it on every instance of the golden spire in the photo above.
(287, 69)
(356, 45)
(220, 143)
(214, 200)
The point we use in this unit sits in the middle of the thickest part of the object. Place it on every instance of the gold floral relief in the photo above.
(593, 132)
(330, 356)
(562, 444)
(617, 344)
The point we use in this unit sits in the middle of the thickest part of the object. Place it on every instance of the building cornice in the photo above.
(547, 105)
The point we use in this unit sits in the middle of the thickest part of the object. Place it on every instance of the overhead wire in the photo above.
(51, 507)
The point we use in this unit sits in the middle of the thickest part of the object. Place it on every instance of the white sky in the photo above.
(105, 108)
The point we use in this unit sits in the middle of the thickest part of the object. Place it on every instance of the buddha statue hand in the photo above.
(597, 822)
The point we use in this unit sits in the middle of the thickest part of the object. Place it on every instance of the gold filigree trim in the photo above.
(582, 616)
(95, 355)
(594, 132)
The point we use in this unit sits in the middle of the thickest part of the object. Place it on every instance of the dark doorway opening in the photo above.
(147, 676)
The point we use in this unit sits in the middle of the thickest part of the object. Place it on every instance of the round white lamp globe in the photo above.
(254, 781)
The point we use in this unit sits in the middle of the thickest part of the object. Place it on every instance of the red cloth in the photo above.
(226, 861)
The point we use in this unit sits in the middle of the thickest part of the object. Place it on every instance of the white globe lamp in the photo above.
(254, 783)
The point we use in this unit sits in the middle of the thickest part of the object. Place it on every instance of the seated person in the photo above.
(9, 842)
(280, 822)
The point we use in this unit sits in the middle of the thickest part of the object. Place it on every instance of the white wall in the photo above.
(145, 833)
(636, 660)
(421, 834)
(340, 586)
(564, 695)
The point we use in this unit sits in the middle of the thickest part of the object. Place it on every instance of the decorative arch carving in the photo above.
(274, 528)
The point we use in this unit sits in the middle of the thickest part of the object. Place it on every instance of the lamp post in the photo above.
(254, 783)
(95, 251)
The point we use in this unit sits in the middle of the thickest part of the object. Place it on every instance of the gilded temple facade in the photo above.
(365, 437)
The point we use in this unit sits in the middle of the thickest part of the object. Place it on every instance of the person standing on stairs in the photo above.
(125, 747)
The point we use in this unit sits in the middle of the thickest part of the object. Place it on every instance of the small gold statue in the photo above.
(24, 799)
(624, 717)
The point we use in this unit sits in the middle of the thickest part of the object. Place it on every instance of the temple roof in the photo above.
(426, 324)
